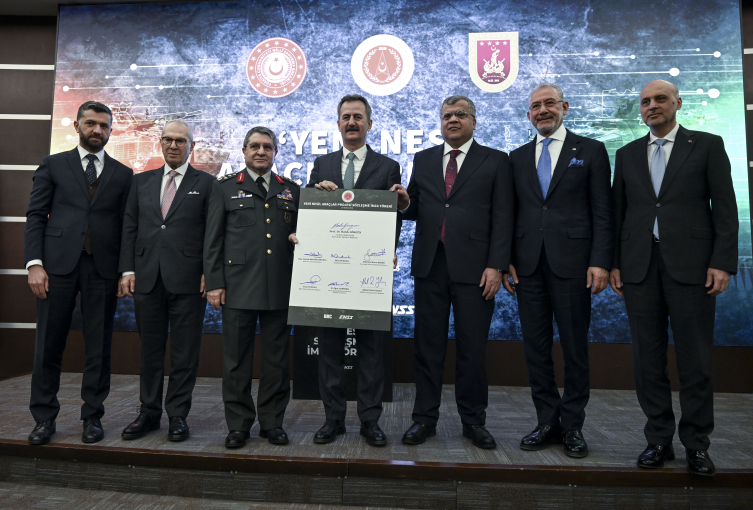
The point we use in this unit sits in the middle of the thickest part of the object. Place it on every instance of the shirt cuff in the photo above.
(35, 262)
(126, 273)
(402, 211)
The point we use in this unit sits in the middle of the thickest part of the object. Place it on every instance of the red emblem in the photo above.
(241, 176)
(276, 67)
(348, 196)
(279, 179)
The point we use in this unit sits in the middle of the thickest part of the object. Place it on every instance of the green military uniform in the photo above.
(247, 252)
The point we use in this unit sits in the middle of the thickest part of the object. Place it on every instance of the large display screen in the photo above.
(224, 67)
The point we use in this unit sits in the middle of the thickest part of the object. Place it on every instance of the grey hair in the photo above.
(355, 97)
(262, 130)
(544, 85)
(190, 130)
(454, 99)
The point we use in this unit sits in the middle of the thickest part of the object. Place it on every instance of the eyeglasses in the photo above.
(460, 114)
(268, 147)
(179, 142)
(549, 103)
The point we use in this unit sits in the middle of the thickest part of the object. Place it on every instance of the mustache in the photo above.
(351, 128)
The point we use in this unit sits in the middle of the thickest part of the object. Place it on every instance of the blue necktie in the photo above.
(544, 170)
(658, 167)
(91, 171)
(350, 172)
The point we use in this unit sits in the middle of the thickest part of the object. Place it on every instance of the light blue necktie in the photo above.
(350, 172)
(544, 170)
(658, 167)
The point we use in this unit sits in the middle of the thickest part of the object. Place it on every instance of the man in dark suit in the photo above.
(355, 166)
(163, 242)
(562, 254)
(248, 263)
(675, 249)
(71, 245)
(460, 196)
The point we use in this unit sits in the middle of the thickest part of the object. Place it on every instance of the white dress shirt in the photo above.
(460, 157)
(267, 176)
(555, 146)
(166, 175)
(357, 162)
(670, 138)
(99, 165)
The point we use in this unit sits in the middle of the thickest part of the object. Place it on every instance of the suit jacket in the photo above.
(478, 213)
(377, 172)
(60, 213)
(696, 208)
(575, 222)
(246, 247)
(173, 247)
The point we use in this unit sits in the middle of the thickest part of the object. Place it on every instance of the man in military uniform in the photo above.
(248, 263)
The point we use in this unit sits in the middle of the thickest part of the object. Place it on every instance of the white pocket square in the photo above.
(193, 192)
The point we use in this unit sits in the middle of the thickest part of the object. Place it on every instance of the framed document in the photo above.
(342, 268)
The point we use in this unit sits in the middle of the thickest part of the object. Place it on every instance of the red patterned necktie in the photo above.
(169, 193)
(449, 179)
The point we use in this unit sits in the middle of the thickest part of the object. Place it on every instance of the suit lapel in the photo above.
(154, 189)
(334, 169)
(563, 162)
(640, 154)
(680, 151)
(472, 161)
(104, 178)
(437, 170)
(275, 187)
(369, 165)
(533, 177)
(186, 184)
(74, 161)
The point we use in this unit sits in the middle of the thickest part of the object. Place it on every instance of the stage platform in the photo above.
(446, 472)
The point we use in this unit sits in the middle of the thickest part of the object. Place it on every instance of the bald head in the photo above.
(659, 102)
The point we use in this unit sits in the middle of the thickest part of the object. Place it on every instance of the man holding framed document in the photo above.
(354, 167)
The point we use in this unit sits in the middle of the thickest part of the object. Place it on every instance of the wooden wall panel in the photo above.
(28, 40)
(15, 187)
(11, 245)
(26, 92)
(25, 142)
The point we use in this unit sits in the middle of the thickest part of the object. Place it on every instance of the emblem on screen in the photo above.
(382, 65)
(276, 67)
(493, 60)
(348, 196)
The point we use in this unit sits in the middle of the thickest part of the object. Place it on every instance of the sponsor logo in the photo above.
(493, 60)
(348, 196)
(327, 315)
(402, 309)
(346, 317)
(382, 65)
(276, 67)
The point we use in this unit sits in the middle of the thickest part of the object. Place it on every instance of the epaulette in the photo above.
(227, 176)
(281, 178)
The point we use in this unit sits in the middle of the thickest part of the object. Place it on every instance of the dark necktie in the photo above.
(91, 170)
(450, 175)
(544, 170)
(260, 183)
(658, 167)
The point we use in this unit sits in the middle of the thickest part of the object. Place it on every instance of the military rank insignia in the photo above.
(285, 195)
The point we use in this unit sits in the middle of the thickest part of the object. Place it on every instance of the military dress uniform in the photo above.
(247, 252)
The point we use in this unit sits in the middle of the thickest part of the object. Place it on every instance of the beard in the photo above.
(93, 143)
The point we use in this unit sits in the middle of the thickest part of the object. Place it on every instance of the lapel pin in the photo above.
(575, 149)
(690, 141)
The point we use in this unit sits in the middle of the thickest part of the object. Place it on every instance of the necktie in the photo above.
(658, 167)
(91, 170)
(260, 183)
(350, 172)
(449, 180)
(169, 193)
(544, 170)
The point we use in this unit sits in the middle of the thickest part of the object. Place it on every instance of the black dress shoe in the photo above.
(480, 436)
(274, 436)
(42, 432)
(236, 439)
(541, 437)
(93, 431)
(654, 455)
(699, 462)
(178, 430)
(418, 432)
(144, 424)
(329, 432)
(575, 445)
(373, 434)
